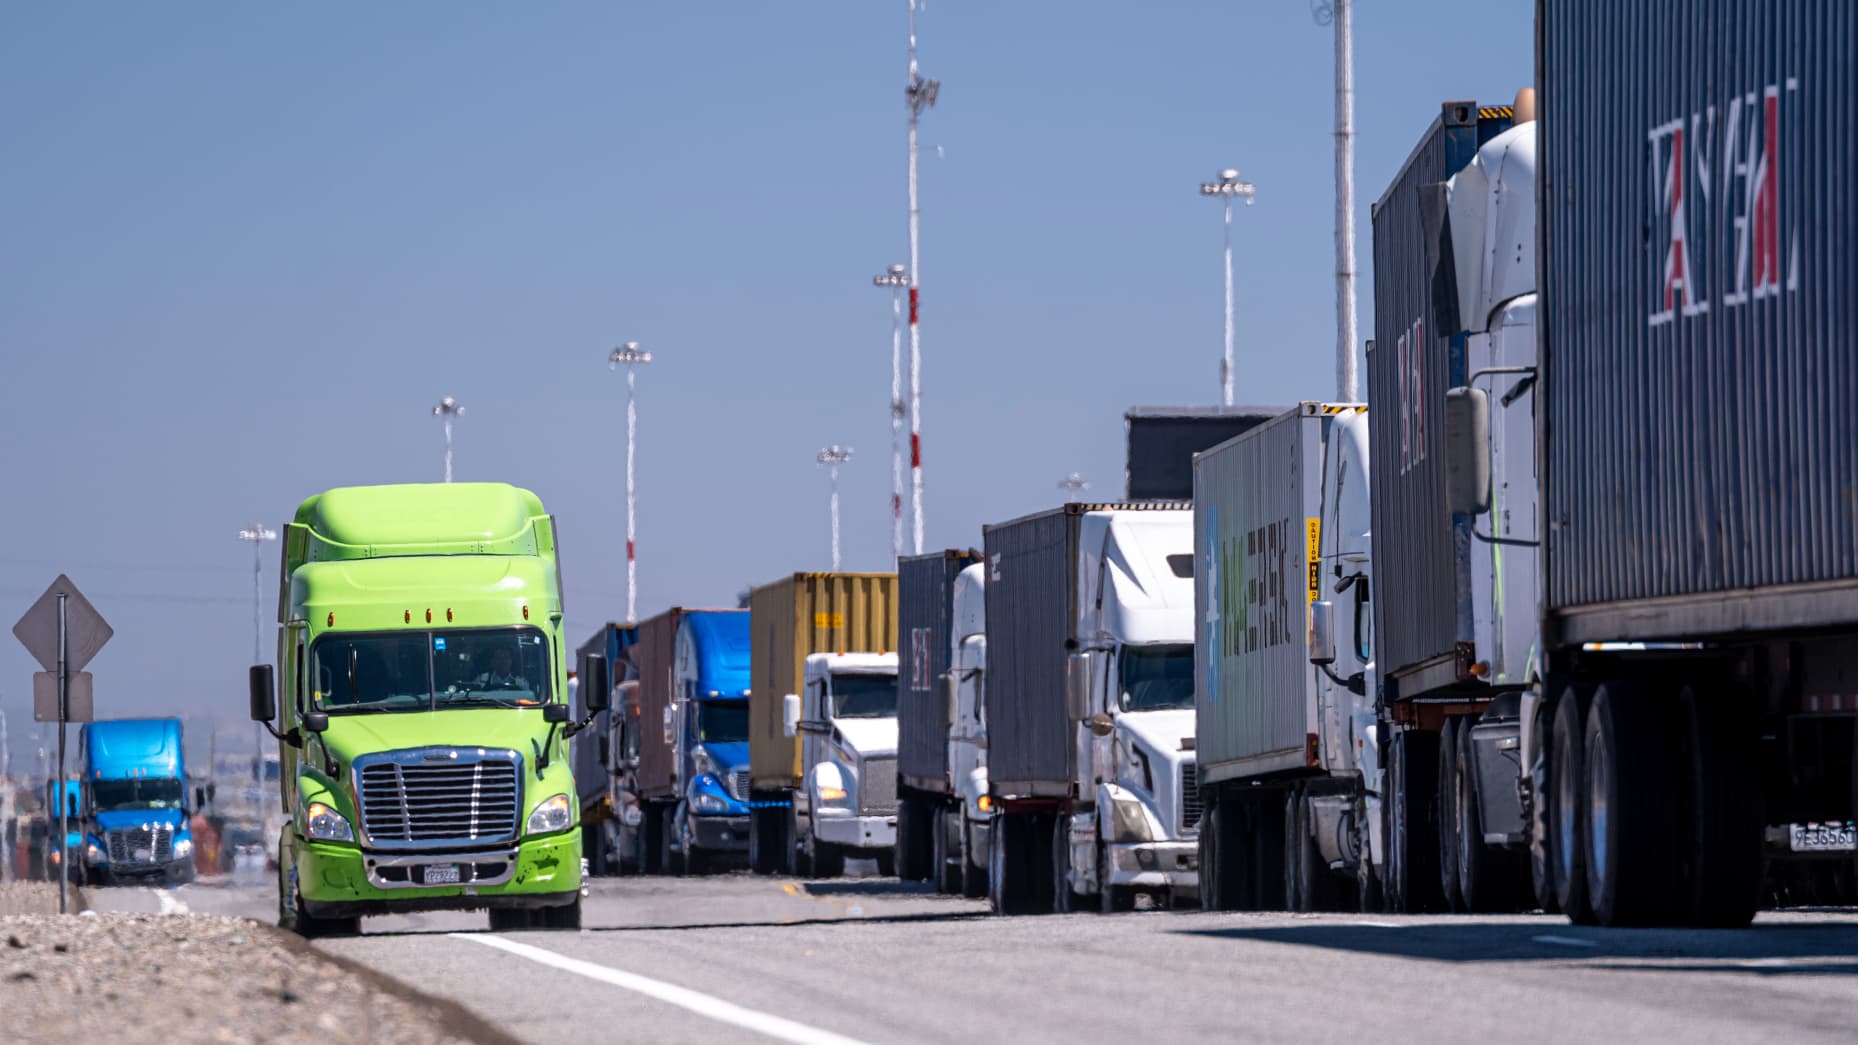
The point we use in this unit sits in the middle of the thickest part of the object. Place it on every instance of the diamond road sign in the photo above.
(86, 630)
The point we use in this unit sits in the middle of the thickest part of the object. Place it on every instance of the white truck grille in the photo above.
(877, 785)
(1190, 797)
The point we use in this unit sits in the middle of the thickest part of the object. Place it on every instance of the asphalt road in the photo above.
(869, 959)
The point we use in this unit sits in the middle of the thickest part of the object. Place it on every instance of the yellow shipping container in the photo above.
(789, 619)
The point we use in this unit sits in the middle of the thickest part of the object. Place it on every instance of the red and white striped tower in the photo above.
(920, 94)
(630, 355)
(895, 279)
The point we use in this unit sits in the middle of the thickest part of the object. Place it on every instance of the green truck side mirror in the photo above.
(263, 693)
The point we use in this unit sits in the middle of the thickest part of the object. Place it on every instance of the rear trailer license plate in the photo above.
(1823, 838)
(440, 874)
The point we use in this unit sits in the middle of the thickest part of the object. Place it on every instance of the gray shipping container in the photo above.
(925, 586)
(1422, 586)
(1699, 288)
(1257, 530)
(1163, 441)
(1031, 617)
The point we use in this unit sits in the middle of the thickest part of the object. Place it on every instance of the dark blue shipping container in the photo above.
(1422, 580)
(925, 592)
(1699, 266)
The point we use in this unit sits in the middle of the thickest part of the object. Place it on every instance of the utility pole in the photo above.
(630, 355)
(1228, 186)
(897, 281)
(832, 457)
(256, 534)
(1341, 13)
(920, 94)
(448, 409)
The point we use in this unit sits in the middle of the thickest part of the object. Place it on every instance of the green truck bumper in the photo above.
(339, 881)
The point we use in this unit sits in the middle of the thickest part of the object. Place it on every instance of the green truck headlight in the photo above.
(327, 825)
(555, 814)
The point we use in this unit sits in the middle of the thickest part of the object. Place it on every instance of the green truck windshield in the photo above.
(141, 793)
(1157, 678)
(431, 670)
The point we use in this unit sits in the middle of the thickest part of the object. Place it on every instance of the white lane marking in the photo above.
(1565, 941)
(683, 997)
(1380, 925)
(169, 904)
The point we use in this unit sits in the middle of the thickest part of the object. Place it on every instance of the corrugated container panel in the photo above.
(615, 641)
(654, 657)
(1162, 441)
(1422, 584)
(1257, 519)
(1698, 215)
(791, 618)
(1031, 614)
(925, 586)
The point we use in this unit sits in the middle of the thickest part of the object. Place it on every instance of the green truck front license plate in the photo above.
(440, 874)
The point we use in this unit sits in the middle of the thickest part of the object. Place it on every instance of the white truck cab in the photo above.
(965, 841)
(1131, 686)
(846, 719)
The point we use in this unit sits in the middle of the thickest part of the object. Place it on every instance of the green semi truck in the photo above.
(424, 718)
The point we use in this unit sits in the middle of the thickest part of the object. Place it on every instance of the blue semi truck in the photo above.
(134, 778)
(691, 774)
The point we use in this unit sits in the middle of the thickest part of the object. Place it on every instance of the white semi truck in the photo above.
(845, 717)
(1286, 725)
(1089, 707)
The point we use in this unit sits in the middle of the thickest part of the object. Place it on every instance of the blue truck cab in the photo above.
(708, 726)
(135, 802)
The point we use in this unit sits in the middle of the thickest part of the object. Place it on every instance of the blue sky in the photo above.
(248, 247)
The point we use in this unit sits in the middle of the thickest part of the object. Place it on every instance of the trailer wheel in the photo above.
(1541, 830)
(1567, 806)
(651, 839)
(1490, 877)
(1724, 837)
(973, 874)
(1370, 895)
(1410, 809)
(1268, 852)
(917, 822)
(1451, 832)
(1632, 839)
(945, 873)
(1005, 888)
(1221, 879)
(669, 859)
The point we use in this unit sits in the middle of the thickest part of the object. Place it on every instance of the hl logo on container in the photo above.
(1718, 180)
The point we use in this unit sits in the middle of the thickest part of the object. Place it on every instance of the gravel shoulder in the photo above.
(140, 977)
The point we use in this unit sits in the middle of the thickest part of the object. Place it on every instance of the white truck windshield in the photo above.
(864, 696)
(1156, 678)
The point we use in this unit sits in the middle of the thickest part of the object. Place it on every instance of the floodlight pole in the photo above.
(897, 281)
(920, 94)
(633, 358)
(256, 535)
(447, 410)
(1228, 186)
(832, 457)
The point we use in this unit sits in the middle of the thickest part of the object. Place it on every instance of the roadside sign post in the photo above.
(62, 631)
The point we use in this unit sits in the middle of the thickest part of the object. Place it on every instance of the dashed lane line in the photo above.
(702, 1004)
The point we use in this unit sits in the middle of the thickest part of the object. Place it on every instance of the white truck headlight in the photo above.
(184, 848)
(1131, 823)
(554, 814)
(327, 825)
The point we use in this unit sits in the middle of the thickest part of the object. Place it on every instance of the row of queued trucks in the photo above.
(1576, 635)
(1565, 620)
